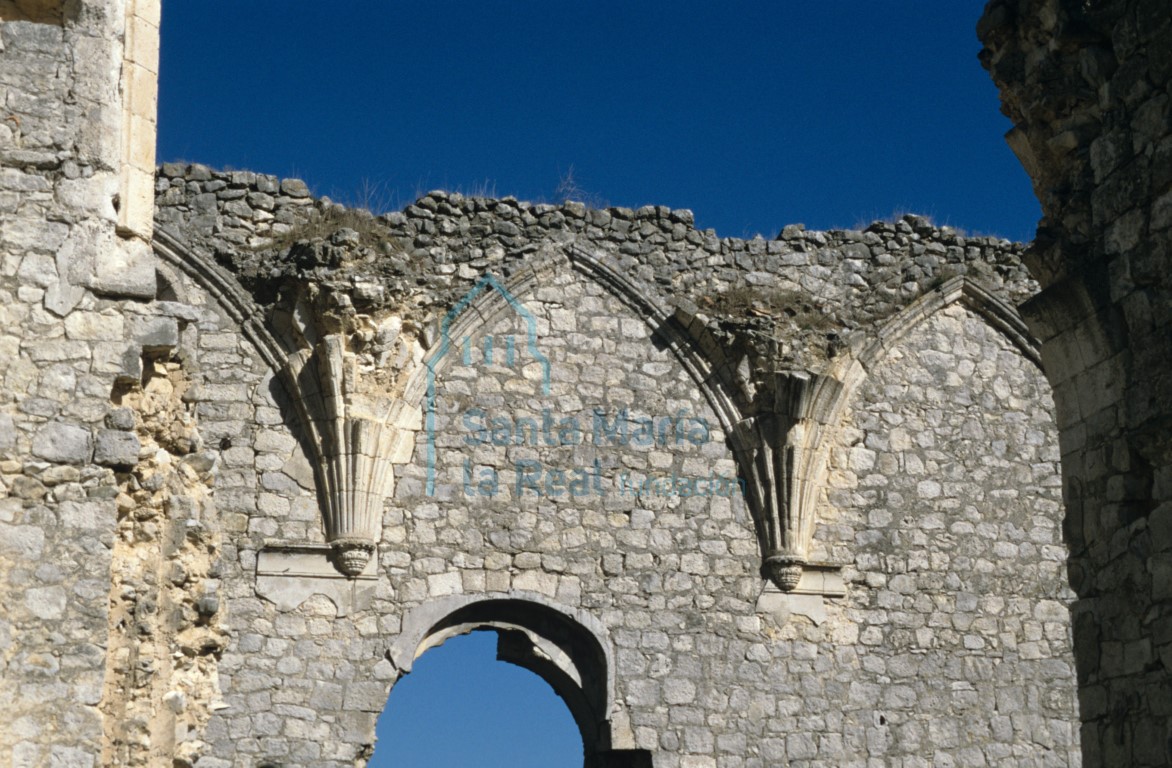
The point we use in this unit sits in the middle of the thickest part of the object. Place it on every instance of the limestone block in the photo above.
(1161, 568)
(7, 433)
(85, 515)
(294, 188)
(443, 584)
(299, 468)
(136, 214)
(115, 448)
(121, 359)
(125, 268)
(98, 70)
(142, 150)
(1162, 212)
(537, 581)
(154, 334)
(93, 326)
(142, 42)
(63, 443)
(46, 602)
(120, 418)
(61, 298)
(289, 576)
(37, 269)
(149, 11)
(93, 196)
(27, 541)
(71, 756)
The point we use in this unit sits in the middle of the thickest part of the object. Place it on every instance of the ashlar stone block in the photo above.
(116, 448)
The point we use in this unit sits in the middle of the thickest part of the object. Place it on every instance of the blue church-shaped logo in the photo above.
(494, 350)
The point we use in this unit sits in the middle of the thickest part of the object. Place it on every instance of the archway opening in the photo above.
(463, 705)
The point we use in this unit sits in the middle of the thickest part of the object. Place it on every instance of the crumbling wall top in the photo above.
(801, 296)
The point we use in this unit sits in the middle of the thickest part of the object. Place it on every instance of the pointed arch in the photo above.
(996, 312)
(851, 369)
(486, 306)
(225, 291)
(784, 454)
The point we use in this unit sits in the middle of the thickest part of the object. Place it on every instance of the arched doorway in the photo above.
(568, 652)
(496, 714)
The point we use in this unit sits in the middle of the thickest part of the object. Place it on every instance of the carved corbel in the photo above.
(359, 436)
(783, 463)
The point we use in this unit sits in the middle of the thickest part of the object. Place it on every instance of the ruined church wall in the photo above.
(150, 459)
(69, 334)
(950, 644)
(703, 678)
(434, 250)
(306, 686)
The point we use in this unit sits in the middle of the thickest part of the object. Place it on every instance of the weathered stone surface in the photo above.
(115, 448)
(64, 443)
(120, 418)
(888, 265)
(60, 154)
(7, 433)
(633, 561)
(154, 334)
(1087, 89)
(642, 558)
(938, 510)
(61, 297)
(46, 602)
(127, 271)
(27, 541)
(94, 326)
(294, 188)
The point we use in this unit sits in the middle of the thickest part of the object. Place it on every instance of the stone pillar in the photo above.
(67, 258)
(140, 91)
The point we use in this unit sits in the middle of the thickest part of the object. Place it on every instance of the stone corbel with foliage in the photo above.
(360, 435)
(779, 423)
(780, 458)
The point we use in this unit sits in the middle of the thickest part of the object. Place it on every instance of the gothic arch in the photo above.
(489, 305)
(783, 454)
(224, 290)
(354, 436)
(853, 368)
(996, 312)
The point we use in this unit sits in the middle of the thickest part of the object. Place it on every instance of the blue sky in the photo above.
(753, 115)
(460, 707)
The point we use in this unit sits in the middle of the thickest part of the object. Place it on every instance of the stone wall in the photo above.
(432, 252)
(1087, 86)
(828, 535)
(948, 640)
(946, 499)
(70, 322)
